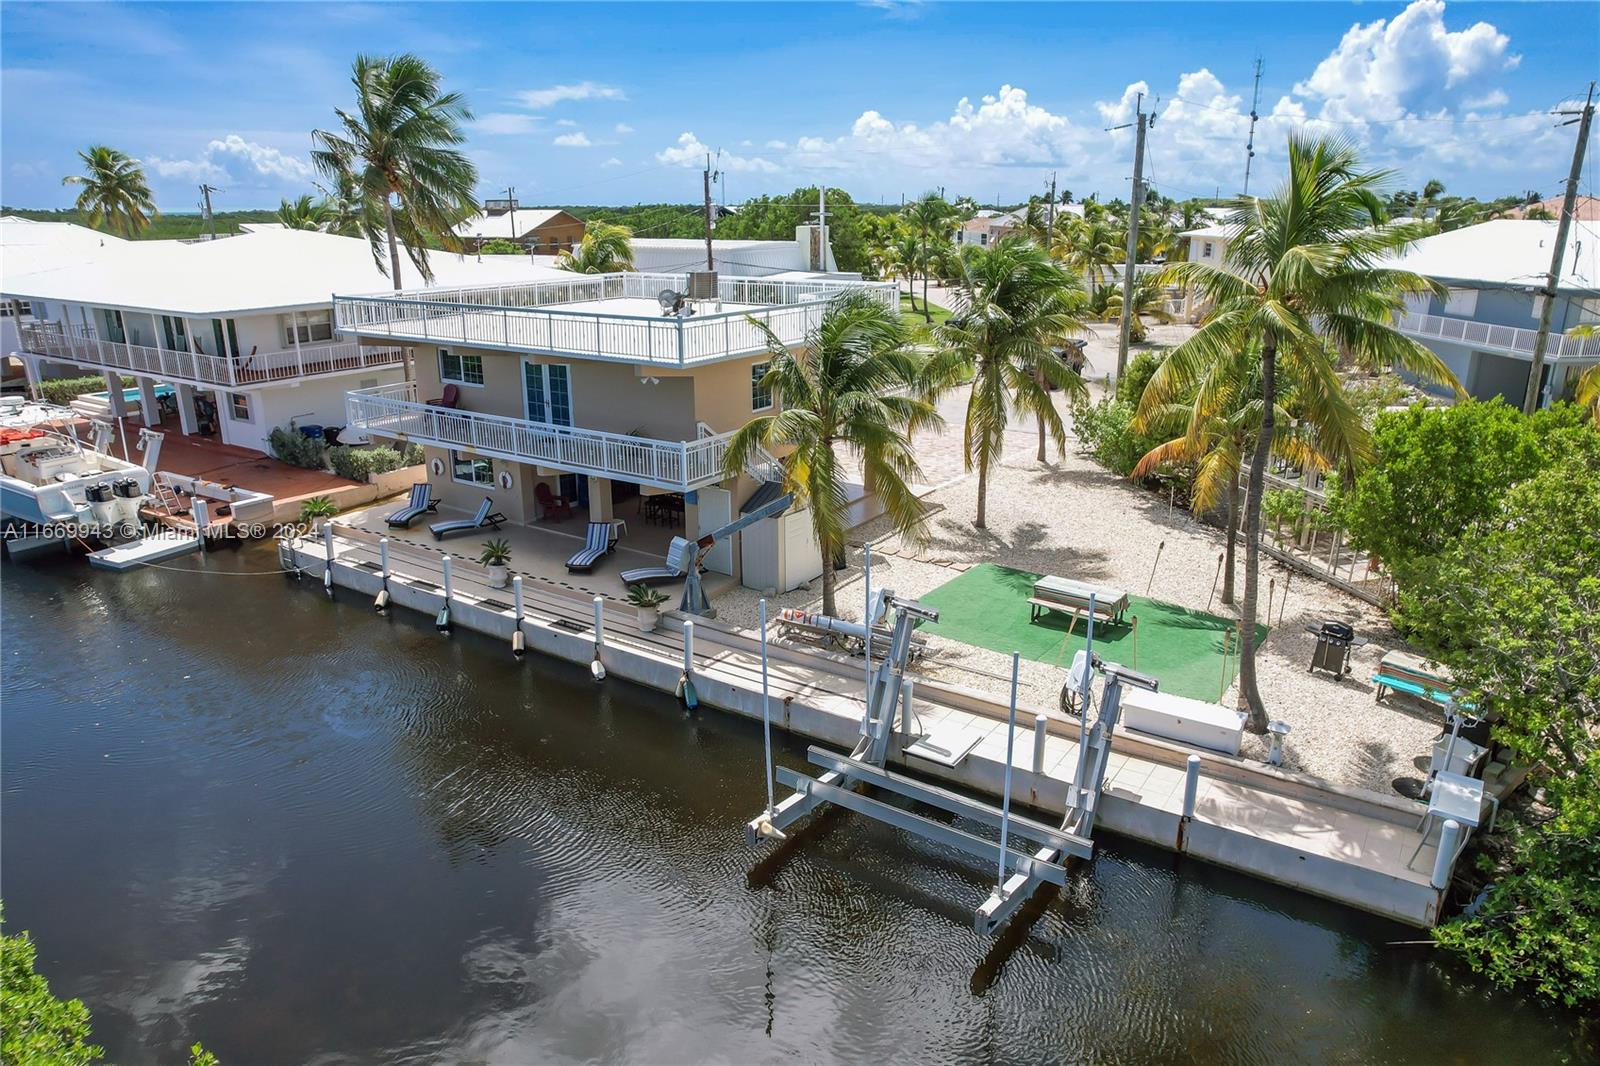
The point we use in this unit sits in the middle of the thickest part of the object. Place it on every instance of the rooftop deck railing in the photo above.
(1512, 339)
(530, 317)
(76, 344)
(393, 411)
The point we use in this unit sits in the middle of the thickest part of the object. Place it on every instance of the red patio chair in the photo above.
(554, 506)
(452, 395)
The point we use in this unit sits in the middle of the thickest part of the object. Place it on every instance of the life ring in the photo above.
(505, 480)
(437, 466)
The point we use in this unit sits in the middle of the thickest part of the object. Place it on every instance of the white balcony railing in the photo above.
(529, 317)
(78, 345)
(1511, 339)
(393, 411)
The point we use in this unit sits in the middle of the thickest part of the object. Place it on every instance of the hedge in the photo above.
(63, 391)
(357, 464)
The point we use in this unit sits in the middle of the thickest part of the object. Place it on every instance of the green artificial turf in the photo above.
(988, 606)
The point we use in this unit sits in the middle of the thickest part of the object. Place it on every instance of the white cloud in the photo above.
(538, 99)
(623, 129)
(573, 140)
(505, 122)
(1389, 68)
(612, 162)
(689, 152)
(236, 160)
(565, 122)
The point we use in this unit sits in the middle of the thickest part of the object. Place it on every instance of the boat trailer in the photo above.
(845, 778)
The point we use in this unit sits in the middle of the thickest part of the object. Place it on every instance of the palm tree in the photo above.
(1019, 304)
(606, 248)
(1088, 245)
(347, 208)
(931, 217)
(1149, 300)
(1317, 429)
(1302, 284)
(303, 213)
(906, 250)
(115, 194)
(1587, 393)
(842, 389)
(398, 149)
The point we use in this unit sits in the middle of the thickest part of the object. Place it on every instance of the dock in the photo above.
(1315, 836)
(151, 548)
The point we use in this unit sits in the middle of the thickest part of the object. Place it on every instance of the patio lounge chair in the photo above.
(415, 507)
(679, 555)
(598, 542)
(466, 525)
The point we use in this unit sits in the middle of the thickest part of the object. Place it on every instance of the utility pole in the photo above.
(1137, 197)
(1050, 216)
(1250, 145)
(511, 202)
(211, 219)
(711, 263)
(1541, 341)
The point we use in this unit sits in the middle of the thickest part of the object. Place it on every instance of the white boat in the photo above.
(49, 477)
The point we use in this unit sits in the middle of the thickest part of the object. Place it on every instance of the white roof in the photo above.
(486, 226)
(1216, 233)
(1511, 252)
(667, 255)
(262, 271)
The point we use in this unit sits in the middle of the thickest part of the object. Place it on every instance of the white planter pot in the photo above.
(649, 618)
(499, 577)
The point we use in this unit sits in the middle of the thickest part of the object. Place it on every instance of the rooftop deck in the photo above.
(75, 344)
(612, 317)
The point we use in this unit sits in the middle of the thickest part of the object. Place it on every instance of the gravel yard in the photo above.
(1072, 518)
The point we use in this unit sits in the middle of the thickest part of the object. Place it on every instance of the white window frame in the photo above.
(757, 372)
(233, 407)
(461, 363)
(544, 378)
(313, 327)
(474, 460)
(1461, 303)
(1205, 250)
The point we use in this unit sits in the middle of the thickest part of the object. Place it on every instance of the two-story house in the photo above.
(1484, 328)
(237, 333)
(587, 391)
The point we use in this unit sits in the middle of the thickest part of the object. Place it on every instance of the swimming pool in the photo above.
(132, 395)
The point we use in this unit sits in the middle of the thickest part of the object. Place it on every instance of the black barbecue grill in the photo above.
(1334, 641)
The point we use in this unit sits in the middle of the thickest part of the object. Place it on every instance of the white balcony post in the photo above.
(114, 397)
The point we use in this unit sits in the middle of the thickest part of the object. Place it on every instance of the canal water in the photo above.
(238, 812)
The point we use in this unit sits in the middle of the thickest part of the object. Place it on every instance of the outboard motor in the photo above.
(129, 497)
(102, 502)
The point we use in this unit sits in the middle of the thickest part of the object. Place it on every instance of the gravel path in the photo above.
(1072, 518)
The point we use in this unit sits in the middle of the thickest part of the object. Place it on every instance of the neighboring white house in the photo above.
(238, 331)
(1208, 244)
(735, 258)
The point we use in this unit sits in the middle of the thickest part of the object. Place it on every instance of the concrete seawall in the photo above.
(1330, 841)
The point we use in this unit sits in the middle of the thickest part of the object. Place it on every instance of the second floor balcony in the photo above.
(681, 466)
(74, 344)
(612, 317)
(1509, 340)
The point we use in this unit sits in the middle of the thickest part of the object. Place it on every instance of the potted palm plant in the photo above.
(495, 555)
(648, 601)
(316, 511)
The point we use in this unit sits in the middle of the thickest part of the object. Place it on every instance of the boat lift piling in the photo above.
(518, 637)
(597, 668)
(327, 552)
(442, 621)
(686, 691)
(381, 601)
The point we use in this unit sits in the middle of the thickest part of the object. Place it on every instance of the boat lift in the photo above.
(1019, 872)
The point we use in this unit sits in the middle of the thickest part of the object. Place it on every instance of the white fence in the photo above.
(393, 411)
(75, 344)
(529, 317)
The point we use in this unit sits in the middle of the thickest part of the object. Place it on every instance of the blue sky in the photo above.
(616, 103)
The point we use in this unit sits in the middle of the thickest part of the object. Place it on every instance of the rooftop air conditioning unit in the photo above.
(702, 284)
